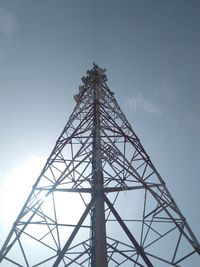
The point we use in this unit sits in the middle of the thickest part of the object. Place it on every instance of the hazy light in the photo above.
(17, 187)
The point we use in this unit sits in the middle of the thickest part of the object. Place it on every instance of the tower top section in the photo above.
(96, 74)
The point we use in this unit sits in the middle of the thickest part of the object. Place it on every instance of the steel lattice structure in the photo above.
(99, 201)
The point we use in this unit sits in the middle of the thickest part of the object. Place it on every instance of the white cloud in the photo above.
(9, 26)
(9, 23)
(139, 102)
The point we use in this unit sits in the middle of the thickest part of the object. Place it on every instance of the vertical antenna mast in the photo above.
(99, 253)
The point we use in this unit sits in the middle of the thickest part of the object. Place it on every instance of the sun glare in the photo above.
(17, 187)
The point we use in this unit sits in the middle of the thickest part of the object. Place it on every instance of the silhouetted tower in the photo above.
(99, 201)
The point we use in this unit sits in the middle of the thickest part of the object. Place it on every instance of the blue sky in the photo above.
(151, 52)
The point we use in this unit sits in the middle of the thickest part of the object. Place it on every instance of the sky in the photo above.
(150, 49)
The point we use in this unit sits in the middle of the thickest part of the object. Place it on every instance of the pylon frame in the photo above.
(99, 157)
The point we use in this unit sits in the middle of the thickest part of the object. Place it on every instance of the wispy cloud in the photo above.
(168, 102)
(9, 27)
(139, 102)
(9, 23)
